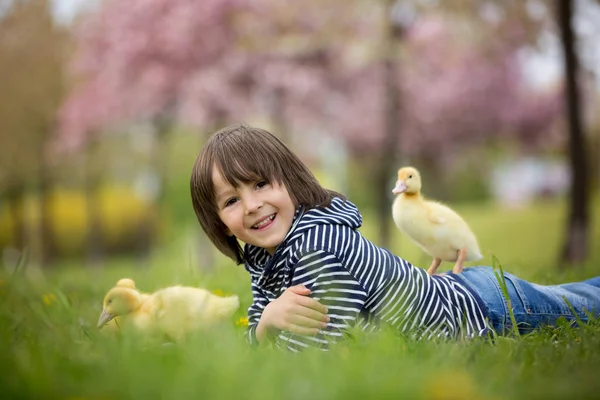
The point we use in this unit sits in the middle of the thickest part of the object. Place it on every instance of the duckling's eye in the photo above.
(109, 301)
(410, 176)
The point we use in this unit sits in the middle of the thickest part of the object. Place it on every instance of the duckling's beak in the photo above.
(104, 318)
(400, 187)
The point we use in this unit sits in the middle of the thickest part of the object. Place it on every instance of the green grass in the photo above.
(50, 348)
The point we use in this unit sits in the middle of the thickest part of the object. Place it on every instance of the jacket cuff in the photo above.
(251, 335)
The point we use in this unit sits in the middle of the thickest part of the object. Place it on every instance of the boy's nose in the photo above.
(253, 204)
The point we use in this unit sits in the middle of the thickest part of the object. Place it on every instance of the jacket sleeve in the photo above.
(259, 302)
(333, 286)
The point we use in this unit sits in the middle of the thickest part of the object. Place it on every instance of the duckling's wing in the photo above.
(436, 219)
(437, 213)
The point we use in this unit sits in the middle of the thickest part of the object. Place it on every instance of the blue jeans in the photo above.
(532, 304)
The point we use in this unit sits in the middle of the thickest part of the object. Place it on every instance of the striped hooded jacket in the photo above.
(360, 283)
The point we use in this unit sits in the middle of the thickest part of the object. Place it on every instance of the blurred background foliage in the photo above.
(102, 114)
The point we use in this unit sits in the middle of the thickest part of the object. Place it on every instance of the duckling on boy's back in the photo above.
(436, 228)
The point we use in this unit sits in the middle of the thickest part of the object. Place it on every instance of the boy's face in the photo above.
(259, 213)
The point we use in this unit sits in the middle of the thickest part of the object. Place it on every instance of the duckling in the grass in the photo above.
(113, 324)
(172, 311)
(181, 309)
(436, 228)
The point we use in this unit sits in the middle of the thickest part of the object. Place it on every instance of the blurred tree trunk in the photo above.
(15, 199)
(162, 125)
(95, 235)
(45, 186)
(47, 239)
(575, 248)
(431, 165)
(387, 163)
(595, 157)
(277, 115)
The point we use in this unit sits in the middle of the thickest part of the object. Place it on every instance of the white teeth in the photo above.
(264, 221)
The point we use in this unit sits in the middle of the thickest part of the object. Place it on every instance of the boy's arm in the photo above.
(294, 311)
(333, 286)
(259, 303)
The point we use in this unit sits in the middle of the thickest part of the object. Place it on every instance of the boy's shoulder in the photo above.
(333, 239)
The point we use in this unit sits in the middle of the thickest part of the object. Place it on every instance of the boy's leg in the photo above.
(593, 281)
(532, 304)
(543, 305)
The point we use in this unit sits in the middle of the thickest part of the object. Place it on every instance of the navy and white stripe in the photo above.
(360, 284)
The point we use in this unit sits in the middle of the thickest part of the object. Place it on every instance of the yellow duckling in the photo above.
(437, 229)
(172, 311)
(126, 282)
(113, 324)
(180, 309)
(126, 305)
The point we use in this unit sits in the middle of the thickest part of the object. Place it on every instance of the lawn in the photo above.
(50, 347)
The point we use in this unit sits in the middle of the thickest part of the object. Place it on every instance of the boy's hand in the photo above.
(294, 311)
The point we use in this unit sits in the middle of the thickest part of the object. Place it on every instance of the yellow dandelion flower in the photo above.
(452, 385)
(218, 292)
(243, 321)
(49, 298)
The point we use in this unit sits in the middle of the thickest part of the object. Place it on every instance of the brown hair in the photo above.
(244, 154)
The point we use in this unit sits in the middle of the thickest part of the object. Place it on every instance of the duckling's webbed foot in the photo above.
(434, 266)
(460, 260)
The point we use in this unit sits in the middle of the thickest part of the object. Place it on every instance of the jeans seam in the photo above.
(514, 280)
(505, 317)
(495, 284)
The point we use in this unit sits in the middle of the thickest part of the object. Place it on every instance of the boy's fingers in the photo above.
(299, 330)
(300, 289)
(306, 322)
(312, 304)
(313, 315)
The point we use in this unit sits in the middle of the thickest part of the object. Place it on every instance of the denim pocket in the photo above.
(544, 300)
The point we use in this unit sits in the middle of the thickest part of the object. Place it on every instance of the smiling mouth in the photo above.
(265, 222)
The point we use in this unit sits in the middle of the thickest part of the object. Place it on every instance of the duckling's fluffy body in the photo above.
(433, 226)
(172, 311)
(436, 228)
(180, 309)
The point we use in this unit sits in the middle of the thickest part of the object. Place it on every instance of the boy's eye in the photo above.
(230, 201)
(261, 184)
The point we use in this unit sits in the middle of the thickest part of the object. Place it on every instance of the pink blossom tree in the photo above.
(455, 93)
(136, 60)
(201, 62)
